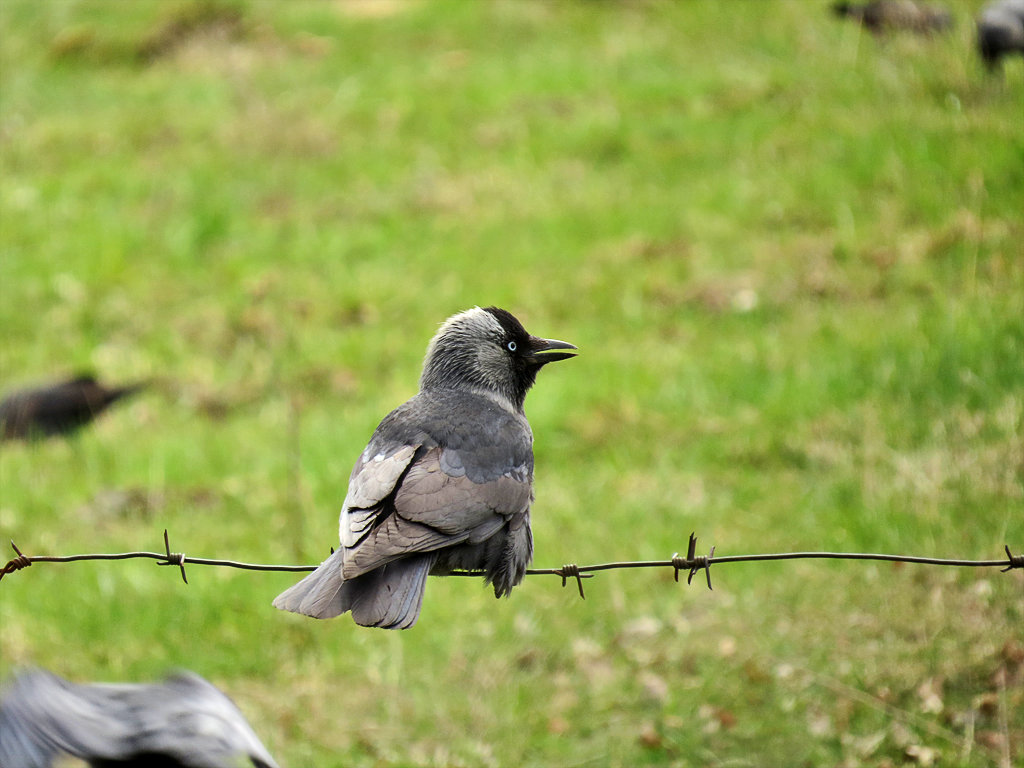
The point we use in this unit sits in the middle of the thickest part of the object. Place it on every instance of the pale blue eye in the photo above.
(511, 346)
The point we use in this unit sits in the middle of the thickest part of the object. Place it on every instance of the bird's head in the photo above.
(488, 349)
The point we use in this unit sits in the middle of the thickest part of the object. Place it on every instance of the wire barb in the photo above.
(177, 558)
(692, 562)
(702, 563)
(17, 563)
(572, 571)
(1016, 561)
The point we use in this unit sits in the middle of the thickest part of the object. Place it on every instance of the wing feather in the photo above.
(432, 510)
(373, 480)
(374, 476)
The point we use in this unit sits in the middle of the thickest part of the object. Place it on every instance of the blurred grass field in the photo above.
(791, 255)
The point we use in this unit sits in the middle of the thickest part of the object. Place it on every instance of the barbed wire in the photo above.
(692, 563)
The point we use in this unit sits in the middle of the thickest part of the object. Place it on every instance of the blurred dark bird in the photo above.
(881, 16)
(184, 722)
(57, 409)
(1000, 31)
(445, 483)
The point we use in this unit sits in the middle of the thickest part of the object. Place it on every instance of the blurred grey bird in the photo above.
(445, 483)
(1000, 31)
(880, 16)
(58, 409)
(184, 722)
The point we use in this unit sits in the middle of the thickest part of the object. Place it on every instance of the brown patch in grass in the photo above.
(186, 23)
(200, 36)
(199, 20)
(373, 9)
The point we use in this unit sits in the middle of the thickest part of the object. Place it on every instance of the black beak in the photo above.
(544, 351)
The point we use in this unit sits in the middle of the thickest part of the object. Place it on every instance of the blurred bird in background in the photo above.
(445, 483)
(881, 16)
(58, 409)
(1000, 31)
(184, 722)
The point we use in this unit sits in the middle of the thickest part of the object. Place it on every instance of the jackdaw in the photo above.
(184, 722)
(1000, 31)
(57, 409)
(445, 483)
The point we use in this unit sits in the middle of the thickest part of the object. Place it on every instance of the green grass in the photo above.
(790, 254)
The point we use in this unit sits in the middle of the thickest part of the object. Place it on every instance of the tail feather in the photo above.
(389, 597)
(319, 595)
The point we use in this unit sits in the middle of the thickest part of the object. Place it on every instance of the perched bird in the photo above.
(57, 409)
(183, 722)
(880, 16)
(1000, 31)
(445, 483)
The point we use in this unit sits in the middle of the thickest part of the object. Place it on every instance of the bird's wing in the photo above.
(188, 718)
(438, 492)
(185, 719)
(43, 716)
(323, 593)
(436, 504)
